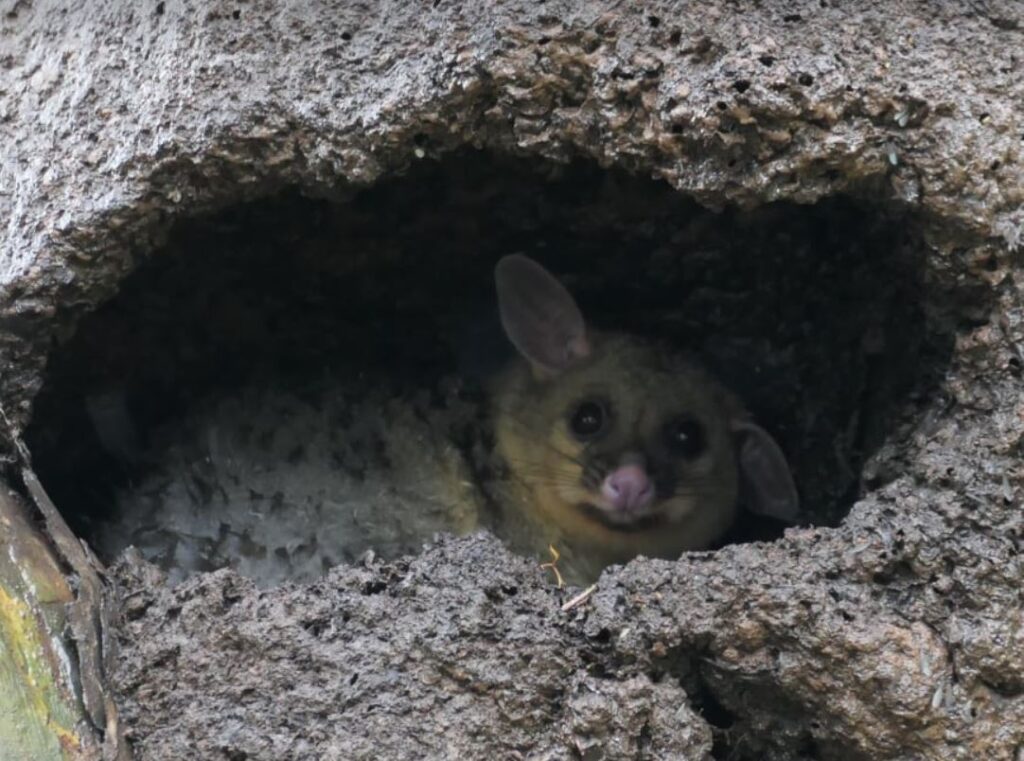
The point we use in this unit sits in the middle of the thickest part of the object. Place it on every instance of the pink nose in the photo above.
(628, 488)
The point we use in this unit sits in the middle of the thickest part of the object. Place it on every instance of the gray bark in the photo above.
(896, 634)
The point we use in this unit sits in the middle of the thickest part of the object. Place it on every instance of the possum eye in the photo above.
(684, 436)
(587, 419)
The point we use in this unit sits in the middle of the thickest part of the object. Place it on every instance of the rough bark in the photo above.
(894, 635)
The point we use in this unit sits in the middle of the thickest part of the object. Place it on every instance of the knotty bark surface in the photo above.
(894, 635)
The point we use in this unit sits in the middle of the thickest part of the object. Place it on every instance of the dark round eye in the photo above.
(587, 420)
(685, 437)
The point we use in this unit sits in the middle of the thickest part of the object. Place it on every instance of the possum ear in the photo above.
(539, 315)
(766, 485)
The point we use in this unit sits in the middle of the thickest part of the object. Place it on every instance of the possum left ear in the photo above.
(539, 315)
(766, 485)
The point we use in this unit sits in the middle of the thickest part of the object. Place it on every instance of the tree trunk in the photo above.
(893, 631)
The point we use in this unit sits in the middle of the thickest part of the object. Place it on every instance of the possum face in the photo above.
(619, 440)
(628, 437)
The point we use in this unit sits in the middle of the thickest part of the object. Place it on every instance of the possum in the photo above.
(614, 446)
(604, 446)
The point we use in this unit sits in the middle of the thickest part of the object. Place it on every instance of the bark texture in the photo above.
(895, 635)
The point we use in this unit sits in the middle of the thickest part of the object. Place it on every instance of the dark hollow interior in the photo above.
(813, 314)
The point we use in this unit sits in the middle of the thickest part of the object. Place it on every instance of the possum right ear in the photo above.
(765, 481)
(539, 315)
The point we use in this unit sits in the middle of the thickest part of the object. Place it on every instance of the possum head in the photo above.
(622, 442)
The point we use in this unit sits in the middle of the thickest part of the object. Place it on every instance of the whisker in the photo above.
(566, 455)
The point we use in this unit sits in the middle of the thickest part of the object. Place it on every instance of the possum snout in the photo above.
(628, 488)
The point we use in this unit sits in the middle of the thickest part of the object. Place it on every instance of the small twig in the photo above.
(553, 565)
(579, 599)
